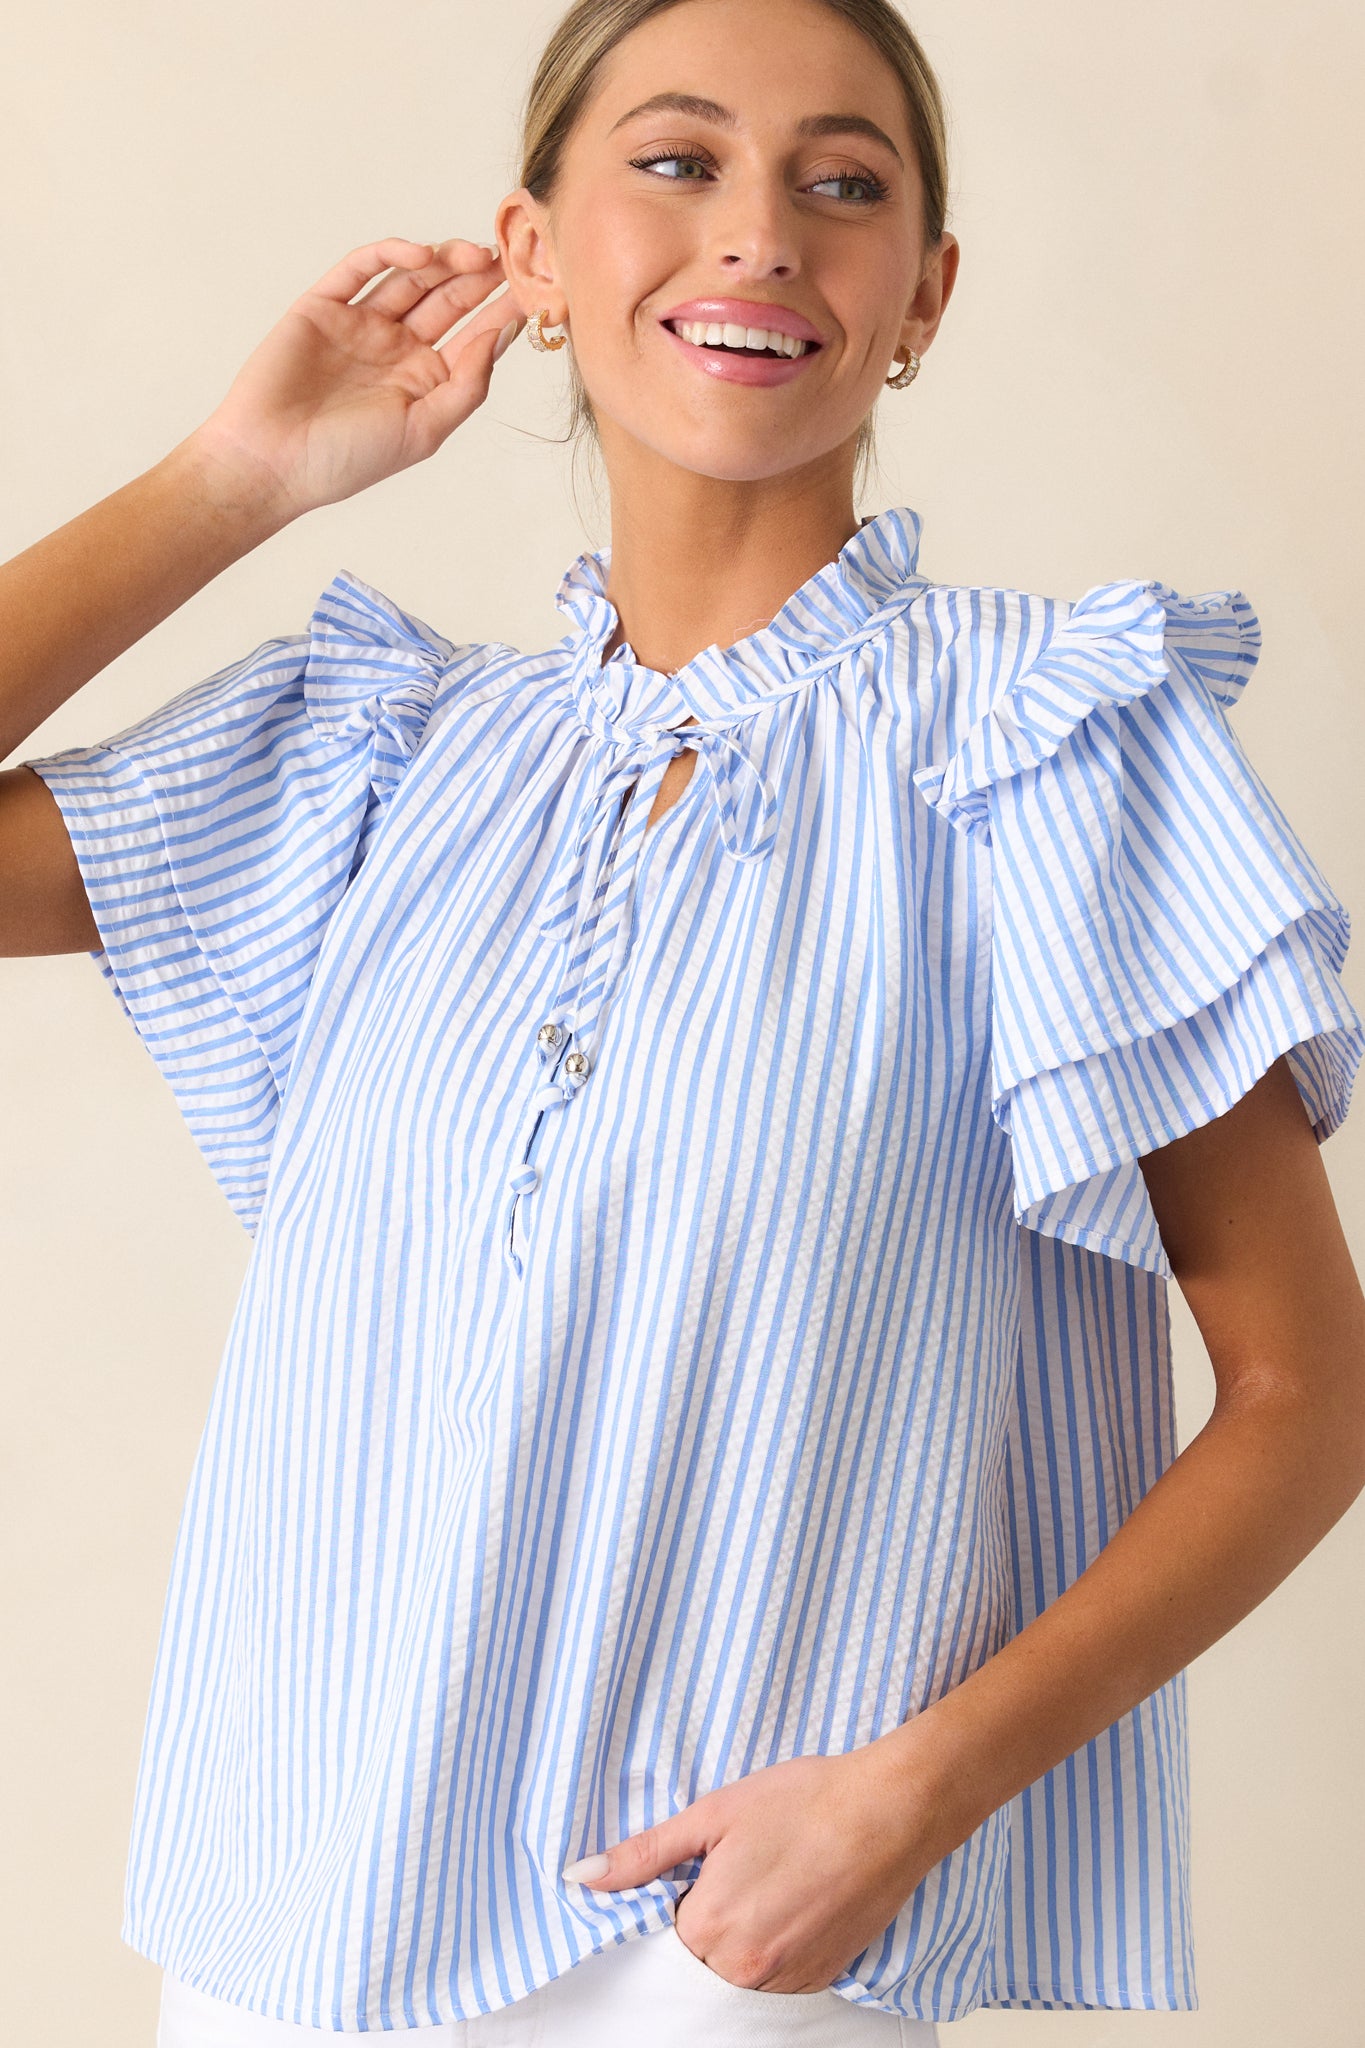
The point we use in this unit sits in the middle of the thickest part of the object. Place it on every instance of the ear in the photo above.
(932, 293)
(522, 226)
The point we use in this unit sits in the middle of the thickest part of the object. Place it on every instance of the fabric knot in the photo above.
(744, 800)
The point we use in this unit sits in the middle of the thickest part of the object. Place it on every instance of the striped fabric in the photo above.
(703, 1300)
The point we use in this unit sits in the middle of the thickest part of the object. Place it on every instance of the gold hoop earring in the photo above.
(905, 375)
(535, 332)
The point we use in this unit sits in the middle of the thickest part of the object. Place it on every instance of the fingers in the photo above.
(346, 278)
(445, 303)
(415, 267)
(469, 362)
(396, 295)
(470, 352)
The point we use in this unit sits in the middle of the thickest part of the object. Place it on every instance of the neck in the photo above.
(698, 561)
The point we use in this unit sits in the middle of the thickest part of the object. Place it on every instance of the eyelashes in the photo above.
(877, 188)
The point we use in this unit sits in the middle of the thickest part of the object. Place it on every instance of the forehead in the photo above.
(772, 63)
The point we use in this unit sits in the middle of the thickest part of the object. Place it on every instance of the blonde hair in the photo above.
(564, 80)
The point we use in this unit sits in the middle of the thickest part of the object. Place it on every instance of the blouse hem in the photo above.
(1054, 1998)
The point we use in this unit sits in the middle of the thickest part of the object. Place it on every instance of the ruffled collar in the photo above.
(873, 575)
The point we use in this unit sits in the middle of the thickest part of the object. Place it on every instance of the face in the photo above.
(773, 187)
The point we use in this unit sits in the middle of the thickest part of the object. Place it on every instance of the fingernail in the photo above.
(585, 1871)
(505, 335)
(490, 248)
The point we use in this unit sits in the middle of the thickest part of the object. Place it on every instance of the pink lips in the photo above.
(737, 369)
(746, 313)
(733, 369)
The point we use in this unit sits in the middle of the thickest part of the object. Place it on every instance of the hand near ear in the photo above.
(350, 386)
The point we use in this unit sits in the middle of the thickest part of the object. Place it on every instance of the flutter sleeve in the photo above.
(217, 837)
(1160, 935)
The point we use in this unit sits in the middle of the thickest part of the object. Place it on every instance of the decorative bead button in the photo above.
(522, 1179)
(549, 1034)
(577, 1068)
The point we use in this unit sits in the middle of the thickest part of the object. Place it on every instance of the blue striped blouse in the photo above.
(703, 1298)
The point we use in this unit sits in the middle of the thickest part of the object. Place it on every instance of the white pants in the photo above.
(647, 1992)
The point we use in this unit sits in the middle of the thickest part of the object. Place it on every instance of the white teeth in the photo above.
(726, 334)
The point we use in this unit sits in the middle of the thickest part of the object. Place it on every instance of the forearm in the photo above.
(75, 600)
(1246, 1500)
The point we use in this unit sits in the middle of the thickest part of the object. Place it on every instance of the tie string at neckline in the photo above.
(745, 804)
(639, 717)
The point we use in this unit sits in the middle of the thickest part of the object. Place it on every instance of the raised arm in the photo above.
(68, 606)
(337, 396)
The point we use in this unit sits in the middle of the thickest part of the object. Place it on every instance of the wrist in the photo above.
(240, 492)
(933, 1765)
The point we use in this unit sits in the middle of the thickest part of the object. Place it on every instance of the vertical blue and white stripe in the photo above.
(703, 1299)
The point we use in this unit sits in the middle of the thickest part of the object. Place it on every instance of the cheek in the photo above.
(623, 257)
(867, 296)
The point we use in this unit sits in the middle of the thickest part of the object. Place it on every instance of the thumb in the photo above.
(470, 368)
(646, 1855)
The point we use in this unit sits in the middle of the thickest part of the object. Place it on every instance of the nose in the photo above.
(755, 232)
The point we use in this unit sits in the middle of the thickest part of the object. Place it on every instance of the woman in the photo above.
(717, 1102)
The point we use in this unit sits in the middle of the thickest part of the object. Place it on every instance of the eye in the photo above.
(875, 188)
(670, 156)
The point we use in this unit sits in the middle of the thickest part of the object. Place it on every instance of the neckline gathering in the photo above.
(873, 575)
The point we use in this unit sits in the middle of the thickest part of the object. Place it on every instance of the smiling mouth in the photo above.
(729, 339)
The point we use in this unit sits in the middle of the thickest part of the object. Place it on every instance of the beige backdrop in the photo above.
(1151, 368)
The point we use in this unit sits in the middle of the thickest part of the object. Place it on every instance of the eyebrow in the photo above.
(711, 110)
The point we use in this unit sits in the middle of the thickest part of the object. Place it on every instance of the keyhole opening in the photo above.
(676, 777)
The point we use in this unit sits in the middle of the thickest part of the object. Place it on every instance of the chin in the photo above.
(736, 471)
(736, 458)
